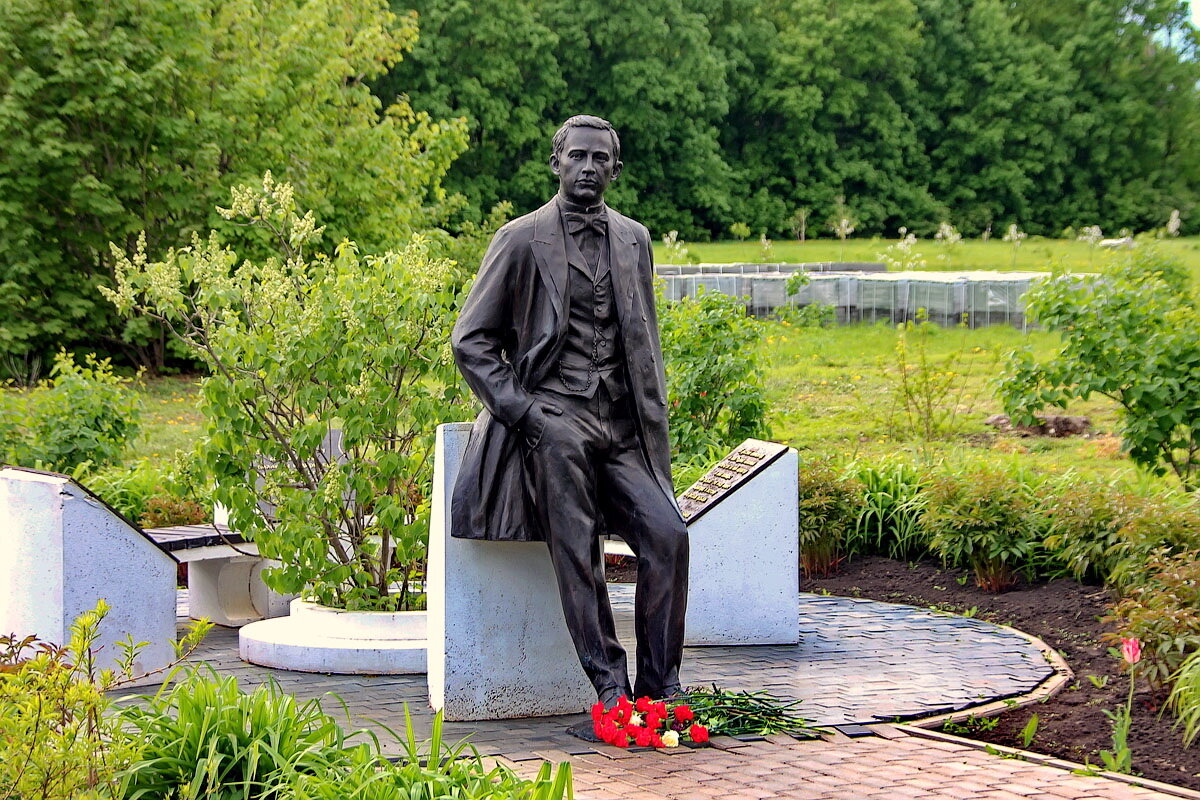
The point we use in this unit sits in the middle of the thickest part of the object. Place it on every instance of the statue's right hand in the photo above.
(533, 424)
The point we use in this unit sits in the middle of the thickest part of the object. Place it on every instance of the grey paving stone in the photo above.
(858, 661)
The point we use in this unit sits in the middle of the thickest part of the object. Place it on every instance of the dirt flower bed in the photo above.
(1066, 616)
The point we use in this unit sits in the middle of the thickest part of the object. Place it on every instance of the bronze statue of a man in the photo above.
(559, 340)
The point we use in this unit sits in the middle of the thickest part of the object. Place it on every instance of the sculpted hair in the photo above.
(587, 121)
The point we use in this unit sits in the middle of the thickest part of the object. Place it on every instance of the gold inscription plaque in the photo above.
(743, 463)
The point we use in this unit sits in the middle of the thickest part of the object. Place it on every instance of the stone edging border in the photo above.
(1049, 687)
(922, 728)
(1048, 761)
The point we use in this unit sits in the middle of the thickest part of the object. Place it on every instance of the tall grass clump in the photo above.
(893, 500)
(206, 738)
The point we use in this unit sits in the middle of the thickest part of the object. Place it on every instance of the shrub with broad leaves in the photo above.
(329, 372)
(1128, 335)
(716, 396)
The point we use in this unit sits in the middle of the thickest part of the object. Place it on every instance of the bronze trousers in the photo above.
(590, 476)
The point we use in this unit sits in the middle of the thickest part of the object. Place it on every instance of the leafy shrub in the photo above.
(984, 519)
(830, 505)
(56, 739)
(84, 413)
(1163, 612)
(714, 373)
(890, 516)
(300, 346)
(1084, 520)
(1128, 335)
(146, 493)
(1164, 526)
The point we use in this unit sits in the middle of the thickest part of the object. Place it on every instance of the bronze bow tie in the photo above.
(577, 222)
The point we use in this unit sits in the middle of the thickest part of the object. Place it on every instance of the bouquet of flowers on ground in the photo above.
(647, 723)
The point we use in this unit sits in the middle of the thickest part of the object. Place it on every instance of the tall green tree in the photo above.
(833, 107)
(494, 63)
(125, 116)
(1132, 128)
(649, 67)
(991, 101)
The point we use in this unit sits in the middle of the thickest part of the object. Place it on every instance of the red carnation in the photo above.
(643, 738)
(653, 720)
(607, 731)
(699, 734)
(683, 713)
(597, 711)
(620, 740)
(660, 708)
(656, 740)
(643, 704)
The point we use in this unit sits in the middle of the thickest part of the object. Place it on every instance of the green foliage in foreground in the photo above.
(303, 348)
(1129, 335)
(58, 737)
(204, 737)
(65, 738)
(58, 744)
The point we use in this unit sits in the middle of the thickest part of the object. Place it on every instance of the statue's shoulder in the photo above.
(522, 229)
(640, 232)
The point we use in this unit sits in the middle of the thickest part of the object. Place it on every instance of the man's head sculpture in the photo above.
(586, 157)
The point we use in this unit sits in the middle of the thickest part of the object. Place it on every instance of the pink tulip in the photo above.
(1131, 650)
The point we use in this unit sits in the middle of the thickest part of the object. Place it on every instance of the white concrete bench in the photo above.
(225, 582)
(498, 645)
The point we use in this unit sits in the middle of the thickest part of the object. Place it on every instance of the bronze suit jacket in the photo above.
(508, 338)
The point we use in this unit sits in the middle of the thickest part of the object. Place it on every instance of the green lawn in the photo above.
(831, 395)
(170, 419)
(831, 391)
(1033, 254)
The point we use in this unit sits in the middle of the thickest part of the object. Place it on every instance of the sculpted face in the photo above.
(585, 166)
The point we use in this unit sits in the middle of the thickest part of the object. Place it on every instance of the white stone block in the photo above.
(315, 638)
(229, 590)
(62, 550)
(498, 643)
(744, 576)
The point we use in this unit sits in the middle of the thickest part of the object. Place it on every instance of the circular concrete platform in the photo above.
(316, 638)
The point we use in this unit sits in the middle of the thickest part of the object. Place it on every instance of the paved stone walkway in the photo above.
(859, 662)
(906, 766)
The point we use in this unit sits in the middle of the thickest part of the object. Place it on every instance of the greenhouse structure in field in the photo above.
(863, 292)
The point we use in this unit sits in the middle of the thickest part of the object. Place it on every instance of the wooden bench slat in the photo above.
(186, 537)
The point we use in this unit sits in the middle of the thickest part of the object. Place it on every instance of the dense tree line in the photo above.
(1046, 113)
(126, 116)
